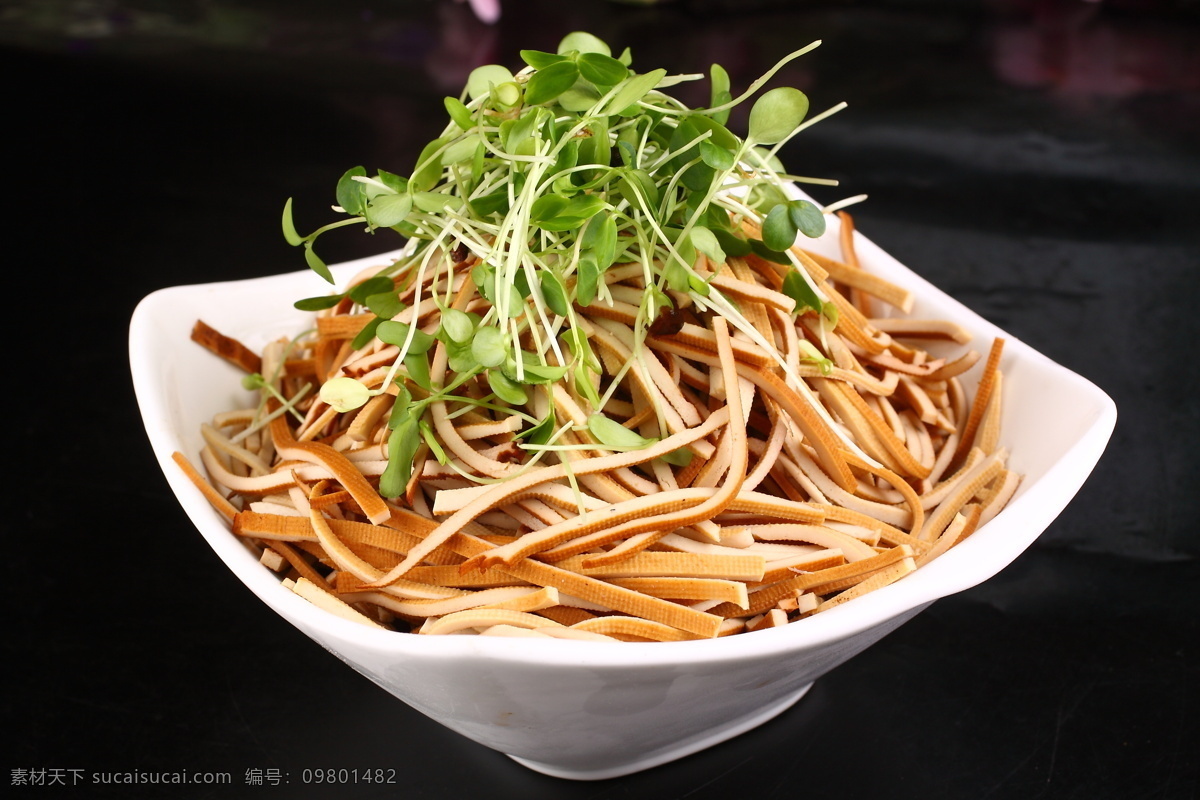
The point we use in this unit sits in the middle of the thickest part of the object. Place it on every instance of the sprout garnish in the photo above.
(546, 178)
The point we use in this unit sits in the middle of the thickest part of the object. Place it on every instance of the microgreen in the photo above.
(613, 434)
(546, 178)
(255, 381)
(344, 394)
(815, 357)
(776, 114)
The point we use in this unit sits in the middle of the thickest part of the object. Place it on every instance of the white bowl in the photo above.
(588, 710)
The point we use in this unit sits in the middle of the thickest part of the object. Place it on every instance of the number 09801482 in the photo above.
(345, 776)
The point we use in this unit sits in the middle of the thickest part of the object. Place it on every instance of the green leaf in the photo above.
(640, 180)
(600, 240)
(351, 194)
(587, 281)
(579, 98)
(403, 442)
(384, 304)
(613, 434)
(762, 251)
(289, 227)
(720, 91)
(721, 136)
(516, 302)
(829, 316)
(397, 333)
(582, 376)
(553, 212)
(555, 293)
(396, 183)
(697, 177)
(596, 148)
(770, 159)
(734, 246)
(481, 79)
(544, 373)
(388, 210)
(478, 161)
(436, 202)
(344, 394)
(713, 216)
(534, 371)
(797, 288)
(583, 42)
(540, 59)
(678, 458)
(516, 132)
(547, 84)
(315, 263)
(459, 113)
(509, 391)
(489, 347)
(457, 325)
(568, 157)
(716, 157)
(765, 196)
(549, 125)
(361, 291)
(706, 242)
(402, 407)
(541, 432)
(366, 334)
(579, 209)
(657, 300)
(483, 275)
(318, 303)
(461, 151)
(778, 230)
(807, 218)
(823, 364)
(776, 114)
(674, 272)
(417, 365)
(435, 447)
(627, 149)
(495, 203)
(601, 69)
(429, 167)
(508, 94)
(547, 207)
(521, 284)
(459, 358)
(634, 89)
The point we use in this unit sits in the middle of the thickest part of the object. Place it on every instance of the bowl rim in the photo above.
(1031, 512)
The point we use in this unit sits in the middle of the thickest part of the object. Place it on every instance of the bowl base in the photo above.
(675, 751)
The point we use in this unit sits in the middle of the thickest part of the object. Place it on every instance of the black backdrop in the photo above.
(1038, 160)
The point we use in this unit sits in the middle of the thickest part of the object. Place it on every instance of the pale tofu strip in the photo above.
(665, 513)
(512, 598)
(852, 548)
(865, 281)
(769, 595)
(506, 491)
(738, 567)
(688, 588)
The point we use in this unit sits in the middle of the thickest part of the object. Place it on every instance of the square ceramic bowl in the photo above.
(588, 710)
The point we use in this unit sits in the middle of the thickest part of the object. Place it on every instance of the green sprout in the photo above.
(548, 177)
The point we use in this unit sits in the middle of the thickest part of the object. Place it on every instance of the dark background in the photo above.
(1038, 160)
